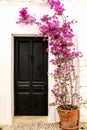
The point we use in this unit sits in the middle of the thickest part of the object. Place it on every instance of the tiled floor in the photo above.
(35, 123)
(31, 123)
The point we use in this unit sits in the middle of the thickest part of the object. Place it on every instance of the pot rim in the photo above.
(60, 109)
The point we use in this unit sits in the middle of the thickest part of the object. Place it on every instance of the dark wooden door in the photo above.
(30, 76)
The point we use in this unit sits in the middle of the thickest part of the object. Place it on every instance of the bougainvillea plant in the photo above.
(62, 47)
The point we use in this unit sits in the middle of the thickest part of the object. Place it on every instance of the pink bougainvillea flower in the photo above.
(25, 17)
(57, 6)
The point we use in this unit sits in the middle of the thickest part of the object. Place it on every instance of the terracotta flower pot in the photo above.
(69, 119)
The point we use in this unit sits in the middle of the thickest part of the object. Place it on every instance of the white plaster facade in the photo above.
(8, 29)
(82, 41)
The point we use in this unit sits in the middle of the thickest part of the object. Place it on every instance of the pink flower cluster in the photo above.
(25, 17)
(57, 6)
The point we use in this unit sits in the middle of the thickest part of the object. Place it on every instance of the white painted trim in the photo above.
(12, 77)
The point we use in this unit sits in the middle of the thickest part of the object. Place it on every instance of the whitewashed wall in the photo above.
(82, 42)
(8, 29)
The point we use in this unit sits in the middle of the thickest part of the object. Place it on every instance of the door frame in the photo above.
(52, 113)
(12, 68)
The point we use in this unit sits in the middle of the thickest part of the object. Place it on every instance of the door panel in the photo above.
(30, 76)
(23, 65)
(21, 108)
(38, 61)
